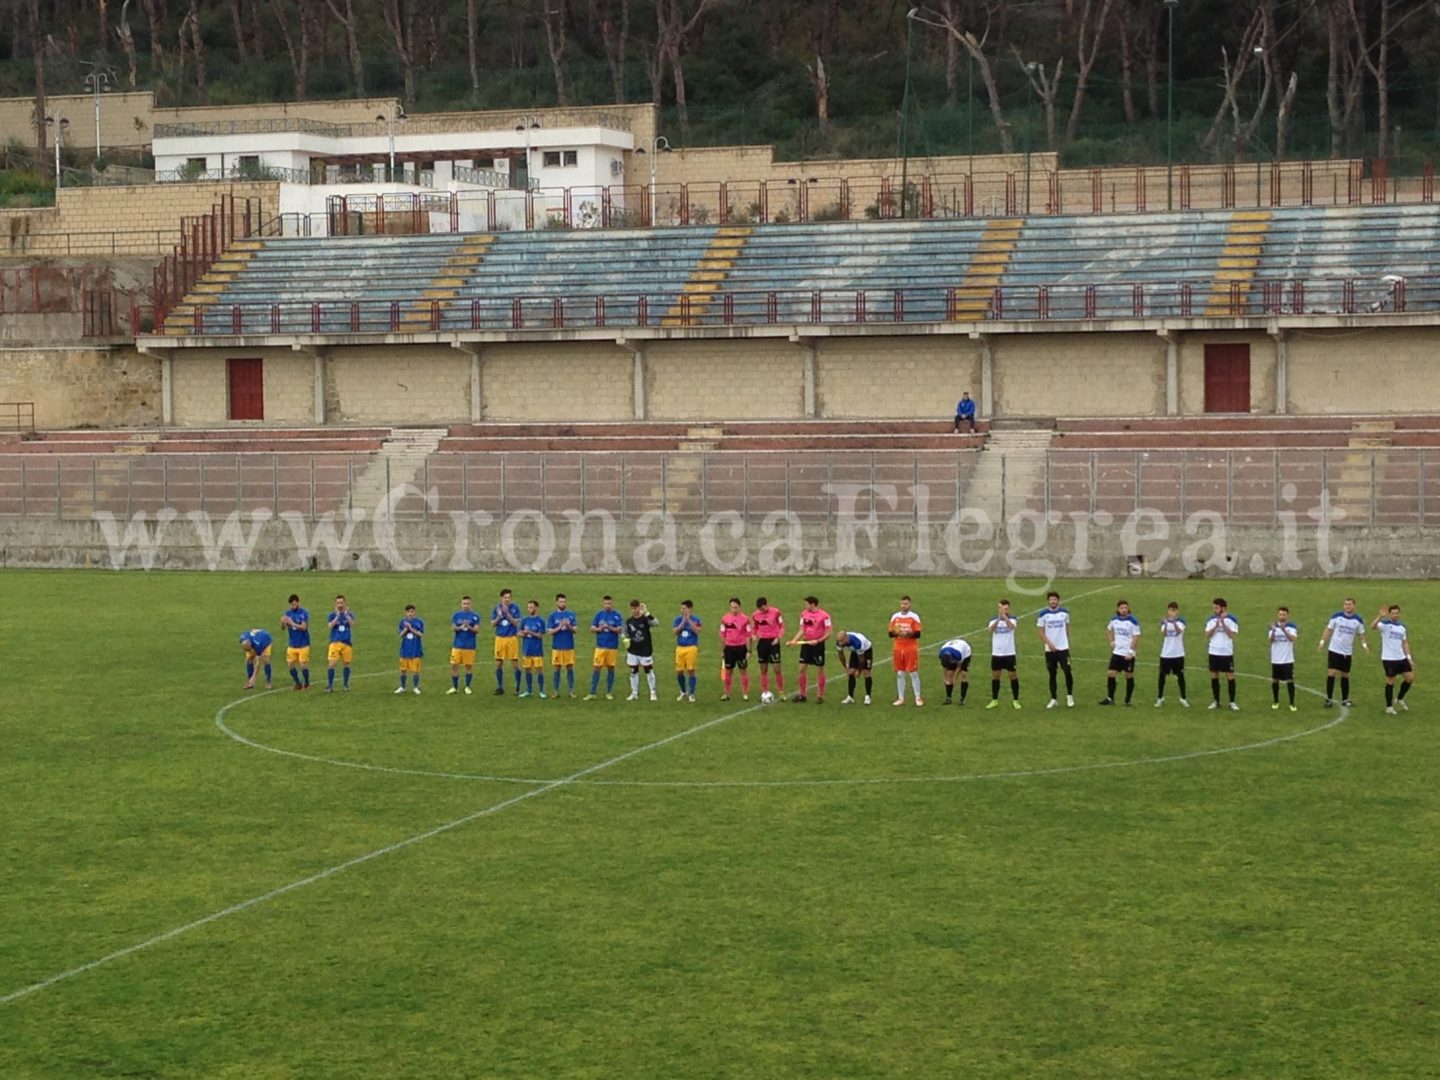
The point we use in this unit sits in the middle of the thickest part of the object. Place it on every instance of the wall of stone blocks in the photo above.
(698, 380)
(200, 390)
(70, 387)
(896, 377)
(1079, 375)
(424, 384)
(1339, 371)
(559, 380)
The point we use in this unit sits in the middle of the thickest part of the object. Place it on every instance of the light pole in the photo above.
(396, 116)
(1259, 54)
(60, 125)
(97, 82)
(1170, 6)
(528, 123)
(905, 114)
(659, 144)
(1030, 66)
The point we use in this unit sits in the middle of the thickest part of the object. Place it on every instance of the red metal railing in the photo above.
(1045, 301)
(202, 240)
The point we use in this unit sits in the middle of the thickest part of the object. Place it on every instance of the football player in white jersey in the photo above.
(1002, 654)
(1341, 632)
(955, 657)
(1282, 634)
(1395, 655)
(1220, 631)
(1123, 631)
(1053, 626)
(1172, 653)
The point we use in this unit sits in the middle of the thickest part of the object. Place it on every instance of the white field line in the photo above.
(489, 811)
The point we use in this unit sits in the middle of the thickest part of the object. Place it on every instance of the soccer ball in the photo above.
(625, 644)
(767, 698)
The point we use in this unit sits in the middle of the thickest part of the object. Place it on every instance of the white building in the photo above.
(560, 155)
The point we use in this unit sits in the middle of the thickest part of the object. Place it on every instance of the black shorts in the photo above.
(1057, 658)
(1220, 665)
(767, 650)
(1172, 665)
(861, 661)
(737, 656)
(1002, 663)
(1122, 663)
(1282, 672)
(813, 653)
(1395, 667)
(1339, 662)
(949, 664)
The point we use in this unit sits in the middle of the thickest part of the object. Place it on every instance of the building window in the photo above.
(555, 159)
(484, 163)
(249, 165)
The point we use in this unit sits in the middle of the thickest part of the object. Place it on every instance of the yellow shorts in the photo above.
(342, 652)
(298, 656)
(507, 648)
(562, 657)
(260, 656)
(410, 663)
(462, 656)
(686, 657)
(604, 657)
(532, 663)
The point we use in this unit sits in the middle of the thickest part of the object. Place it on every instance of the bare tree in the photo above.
(974, 46)
(555, 15)
(676, 21)
(1090, 20)
(348, 20)
(38, 45)
(1374, 48)
(824, 26)
(611, 18)
(1046, 86)
(154, 19)
(1233, 72)
(400, 18)
(237, 16)
(298, 45)
(196, 42)
(127, 42)
(472, 41)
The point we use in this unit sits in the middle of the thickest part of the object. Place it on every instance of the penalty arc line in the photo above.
(389, 849)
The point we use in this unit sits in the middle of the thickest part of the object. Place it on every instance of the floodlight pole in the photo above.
(1170, 6)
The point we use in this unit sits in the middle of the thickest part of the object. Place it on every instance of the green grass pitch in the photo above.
(790, 891)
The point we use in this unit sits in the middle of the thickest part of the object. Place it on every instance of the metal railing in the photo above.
(17, 416)
(815, 307)
(1397, 487)
(419, 124)
(186, 175)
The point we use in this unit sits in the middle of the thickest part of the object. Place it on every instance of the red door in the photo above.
(1227, 378)
(247, 388)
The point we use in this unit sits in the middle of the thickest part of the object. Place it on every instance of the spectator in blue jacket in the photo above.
(965, 413)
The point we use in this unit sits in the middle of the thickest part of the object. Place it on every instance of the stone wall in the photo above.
(130, 220)
(71, 387)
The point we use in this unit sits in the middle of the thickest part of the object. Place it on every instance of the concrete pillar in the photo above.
(1282, 370)
(319, 359)
(1172, 374)
(477, 404)
(811, 409)
(639, 369)
(987, 377)
(167, 390)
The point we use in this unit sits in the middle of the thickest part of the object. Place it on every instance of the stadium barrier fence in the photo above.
(1394, 487)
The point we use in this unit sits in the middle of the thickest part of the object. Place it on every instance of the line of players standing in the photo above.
(1123, 631)
(519, 640)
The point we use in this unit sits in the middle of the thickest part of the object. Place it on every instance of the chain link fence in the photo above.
(1395, 487)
